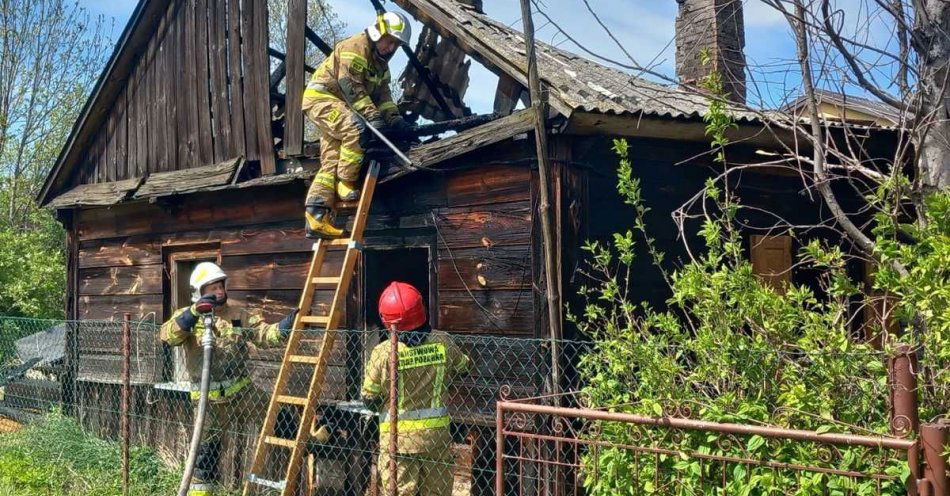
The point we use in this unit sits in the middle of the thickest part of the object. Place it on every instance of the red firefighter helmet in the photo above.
(401, 306)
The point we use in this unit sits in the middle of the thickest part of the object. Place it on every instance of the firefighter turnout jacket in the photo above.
(234, 326)
(423, 371)
(355, 74)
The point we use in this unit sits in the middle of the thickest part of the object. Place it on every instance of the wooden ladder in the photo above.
(297, 447)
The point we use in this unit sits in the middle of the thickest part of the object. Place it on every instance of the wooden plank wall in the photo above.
(185, 101)
(262, 248)
(295, 79)
(480, 218)
(478, 221)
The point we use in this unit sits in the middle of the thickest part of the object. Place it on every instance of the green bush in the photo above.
(732, 349)
(33, 268)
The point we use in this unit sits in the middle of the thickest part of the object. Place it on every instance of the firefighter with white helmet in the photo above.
(234, 326)
(355, 77)
(427, 360)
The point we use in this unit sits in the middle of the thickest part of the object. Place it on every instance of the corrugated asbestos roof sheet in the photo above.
(578, 83)
(845, 101)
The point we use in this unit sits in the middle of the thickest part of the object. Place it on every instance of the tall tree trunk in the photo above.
(931, 39)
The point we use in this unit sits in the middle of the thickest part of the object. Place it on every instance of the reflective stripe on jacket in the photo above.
(353, 73)
(423, 372)
(234, 327)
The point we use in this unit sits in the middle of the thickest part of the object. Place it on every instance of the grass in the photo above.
(55, 456)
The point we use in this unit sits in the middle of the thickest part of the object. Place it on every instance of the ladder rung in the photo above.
(319, 329)
(260, 481)
(292, 400)
(279, 441)
(303, 359)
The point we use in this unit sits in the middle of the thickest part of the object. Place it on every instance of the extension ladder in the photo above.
(293, 357)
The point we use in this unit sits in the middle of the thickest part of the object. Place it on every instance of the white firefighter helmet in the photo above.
(393, 24)
(204, 274)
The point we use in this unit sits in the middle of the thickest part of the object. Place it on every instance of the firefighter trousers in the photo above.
(341, 154)
(217, 422)
(424, 474)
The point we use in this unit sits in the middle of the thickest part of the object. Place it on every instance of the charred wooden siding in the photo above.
(480, 220)
(185, 100)
(260, 241)
(476, 221)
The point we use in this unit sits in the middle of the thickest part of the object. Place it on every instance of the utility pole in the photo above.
(539, 104)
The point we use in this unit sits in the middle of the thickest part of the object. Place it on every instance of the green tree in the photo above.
(51, 52)
(320, 18)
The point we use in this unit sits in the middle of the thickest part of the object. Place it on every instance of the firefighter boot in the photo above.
(347, 191)
(201, 489)
(206, 464)
(318, 224)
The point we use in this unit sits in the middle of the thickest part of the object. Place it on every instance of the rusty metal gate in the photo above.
(544, 449)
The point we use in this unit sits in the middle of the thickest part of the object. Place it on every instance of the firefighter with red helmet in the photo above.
(427, 360)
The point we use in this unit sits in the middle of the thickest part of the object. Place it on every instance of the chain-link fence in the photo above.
(77, 367)
(446, 429)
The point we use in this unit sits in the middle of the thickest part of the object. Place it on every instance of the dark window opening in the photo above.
(381, 267)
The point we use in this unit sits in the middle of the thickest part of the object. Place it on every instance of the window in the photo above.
(179, 262)
(772, 260)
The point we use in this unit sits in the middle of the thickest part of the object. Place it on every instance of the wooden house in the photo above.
(184, 153)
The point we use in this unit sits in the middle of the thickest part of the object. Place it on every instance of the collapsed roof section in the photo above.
(575, 83)
(580, 90)
(226, 175)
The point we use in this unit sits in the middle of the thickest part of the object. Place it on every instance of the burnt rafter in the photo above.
(277, 54)
(314, 38)
(435, 55)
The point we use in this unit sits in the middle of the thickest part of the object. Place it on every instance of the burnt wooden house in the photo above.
(186, 151)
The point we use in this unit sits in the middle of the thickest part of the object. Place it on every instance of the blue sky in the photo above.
(645, 27)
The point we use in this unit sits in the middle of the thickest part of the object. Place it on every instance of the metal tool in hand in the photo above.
(379, 134)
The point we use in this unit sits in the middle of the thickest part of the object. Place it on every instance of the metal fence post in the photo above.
(499, 450)
(903, 390)
(393, 409)
(935, 442)
(126, 386)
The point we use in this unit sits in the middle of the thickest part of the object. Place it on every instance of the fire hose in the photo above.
(201, 409)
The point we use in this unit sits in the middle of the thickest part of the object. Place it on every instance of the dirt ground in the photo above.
(8, 425)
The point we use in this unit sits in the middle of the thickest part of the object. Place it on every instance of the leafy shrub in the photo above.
(733, 349)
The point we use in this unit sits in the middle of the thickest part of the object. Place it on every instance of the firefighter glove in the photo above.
(286, 324)
(400, 127)
(206, 303)
(187, 320)
(373, 402)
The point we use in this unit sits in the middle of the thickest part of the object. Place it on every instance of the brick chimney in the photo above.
(717, 26)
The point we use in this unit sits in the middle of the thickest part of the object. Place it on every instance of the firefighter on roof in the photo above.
(355, 77)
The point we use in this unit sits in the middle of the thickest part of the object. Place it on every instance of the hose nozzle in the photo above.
(207, 338)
